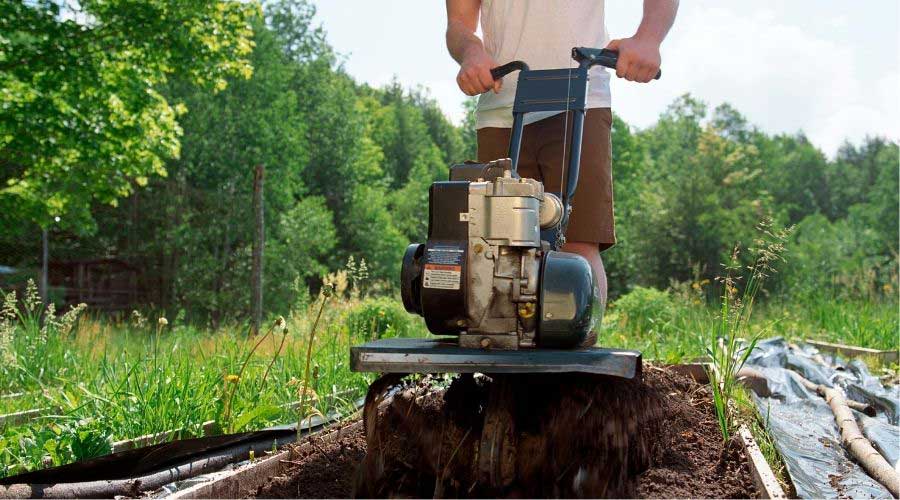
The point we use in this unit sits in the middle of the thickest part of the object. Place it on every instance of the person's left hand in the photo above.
(639, 58)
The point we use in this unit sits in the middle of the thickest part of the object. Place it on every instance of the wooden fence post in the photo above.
(259, 242)
(44, 287)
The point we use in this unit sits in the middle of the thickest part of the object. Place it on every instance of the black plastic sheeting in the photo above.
(803, 427)
(132, 463)
(145, 460)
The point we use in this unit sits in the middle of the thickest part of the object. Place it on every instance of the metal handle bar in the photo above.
(584, 55)
(501, 71)
(604, 57)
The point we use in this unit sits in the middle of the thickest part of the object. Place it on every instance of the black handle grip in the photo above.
(603, 57)
(501, 71)
(610, 59)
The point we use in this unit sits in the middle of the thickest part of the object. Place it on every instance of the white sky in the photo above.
(827, 67)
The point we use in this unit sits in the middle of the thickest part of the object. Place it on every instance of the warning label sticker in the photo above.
(446, 277)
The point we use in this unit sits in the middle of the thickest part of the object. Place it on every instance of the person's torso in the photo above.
(541, 33)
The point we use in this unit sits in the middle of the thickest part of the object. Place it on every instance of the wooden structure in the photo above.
(104, 284)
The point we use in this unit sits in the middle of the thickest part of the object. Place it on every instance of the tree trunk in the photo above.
(256, 277)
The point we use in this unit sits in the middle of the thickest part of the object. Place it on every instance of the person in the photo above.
(542, 33)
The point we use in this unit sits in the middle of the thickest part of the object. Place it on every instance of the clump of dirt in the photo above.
(574, 436)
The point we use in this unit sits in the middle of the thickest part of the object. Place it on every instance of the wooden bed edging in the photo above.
(891, 356)
(24, 416)
(209, 429)
(245, 480)
(763, 476)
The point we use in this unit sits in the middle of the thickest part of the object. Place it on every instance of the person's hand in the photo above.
(475, 73)
(639, 58)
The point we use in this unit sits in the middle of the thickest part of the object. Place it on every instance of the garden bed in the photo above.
(608, 437)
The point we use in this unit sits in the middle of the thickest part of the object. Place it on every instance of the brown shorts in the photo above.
(542, 156)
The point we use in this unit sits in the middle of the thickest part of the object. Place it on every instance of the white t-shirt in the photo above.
(541, 33)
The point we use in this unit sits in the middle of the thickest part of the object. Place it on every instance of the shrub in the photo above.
(644, 309)
(380, 318)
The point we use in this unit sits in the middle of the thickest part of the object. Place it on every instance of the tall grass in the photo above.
(677, 325)
(731, 338)
(111, 380)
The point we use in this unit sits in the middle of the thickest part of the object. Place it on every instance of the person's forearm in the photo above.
(461, 40)
(475, 64)
(659, 15)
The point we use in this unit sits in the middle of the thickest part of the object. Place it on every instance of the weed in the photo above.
(327, 292)
(732, 340)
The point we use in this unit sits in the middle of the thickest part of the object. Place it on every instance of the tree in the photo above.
(83, 118)
(253, 121)
(468, 131)
(701, 194)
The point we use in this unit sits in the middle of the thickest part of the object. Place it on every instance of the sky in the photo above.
(829, 68)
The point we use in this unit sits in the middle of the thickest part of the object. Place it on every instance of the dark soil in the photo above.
(575, 435)
(320, 469)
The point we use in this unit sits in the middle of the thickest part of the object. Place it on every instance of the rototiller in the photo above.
(491, 277)
(491, 273)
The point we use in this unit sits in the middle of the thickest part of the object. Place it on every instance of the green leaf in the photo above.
(265, 412)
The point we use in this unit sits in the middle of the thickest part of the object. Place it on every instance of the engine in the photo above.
(486, 273)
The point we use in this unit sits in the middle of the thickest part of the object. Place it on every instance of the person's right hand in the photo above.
(474, 76)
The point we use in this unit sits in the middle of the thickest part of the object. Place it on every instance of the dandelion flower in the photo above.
(231, 378)
(163, 321)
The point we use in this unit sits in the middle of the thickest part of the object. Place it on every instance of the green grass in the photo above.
(116, 380)
(866, 323)
(673, 331)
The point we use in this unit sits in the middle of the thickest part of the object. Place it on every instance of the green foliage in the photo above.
(31, 336)
(89, 440)
(381, 318)
(467, 130)
(305, 239)
(842, 258)
(644, 309)
(647, 313)
(691, 187)
(84, 119)
(107, 381)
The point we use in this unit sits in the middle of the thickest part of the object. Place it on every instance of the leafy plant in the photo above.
(89, 440)
(232, 381)
(645, 312)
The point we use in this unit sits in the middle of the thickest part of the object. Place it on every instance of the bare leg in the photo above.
(590, 252)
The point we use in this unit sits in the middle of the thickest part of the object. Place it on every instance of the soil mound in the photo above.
(575, 436)
(321, 470)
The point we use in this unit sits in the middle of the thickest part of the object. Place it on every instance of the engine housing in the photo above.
(486, 275)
